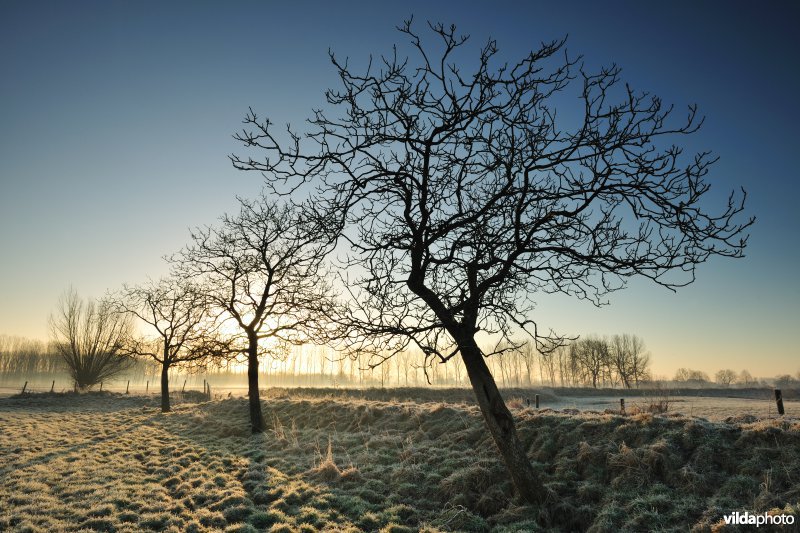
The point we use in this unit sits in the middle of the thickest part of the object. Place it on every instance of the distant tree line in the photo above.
(615, 361)
(727, 378)
(21, 356)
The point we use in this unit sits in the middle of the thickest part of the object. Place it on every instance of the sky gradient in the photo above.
(116, 121)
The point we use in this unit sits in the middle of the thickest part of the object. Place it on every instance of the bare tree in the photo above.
(620, 359)
(592, 357)
(628, 358)
(466, 197)
(92, 338)
(528, 354)
(566, 365)
(263, 267)
(639, 359)
(694, 377)
(548, 364)
(725, 377)
(745, 378)
(682, 374)
(181, 315)
(786, 381)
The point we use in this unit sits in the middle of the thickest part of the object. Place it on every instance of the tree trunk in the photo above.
(501, 424)
(165, 408)
(256, 416)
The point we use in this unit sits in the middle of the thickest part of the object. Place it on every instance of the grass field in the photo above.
(111, 462)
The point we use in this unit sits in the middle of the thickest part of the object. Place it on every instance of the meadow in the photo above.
(382, 461)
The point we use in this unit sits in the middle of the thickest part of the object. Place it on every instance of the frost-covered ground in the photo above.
(112, 462)
(698, 406)
(713, 404)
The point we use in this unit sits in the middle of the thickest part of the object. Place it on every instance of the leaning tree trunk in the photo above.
(501, 424)
(256, 417)
(165, 407)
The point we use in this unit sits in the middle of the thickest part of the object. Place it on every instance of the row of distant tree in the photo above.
(25, 358)
(616, 361)
(727, 377)
(620, 360)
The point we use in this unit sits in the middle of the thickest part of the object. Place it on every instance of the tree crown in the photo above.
(467, 195)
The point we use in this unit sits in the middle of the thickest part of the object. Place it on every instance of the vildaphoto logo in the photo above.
(746, 518)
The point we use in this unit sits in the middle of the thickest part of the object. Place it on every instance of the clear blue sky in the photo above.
(116, 122)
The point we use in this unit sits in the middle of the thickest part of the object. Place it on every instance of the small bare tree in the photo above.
(629, 358)
(593, 358)
(263, 267)
(186, 331)
(689, 376)
(547, 365)
(786, 381)
(466, 194)
(725, 377)
(93, 339)
(745, 378)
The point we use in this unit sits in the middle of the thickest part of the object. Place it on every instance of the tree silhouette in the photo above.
(629, 358)
(725, 377)
(92, 339)
(593, 358)
(464, 195)
(180, 313)
(264, 268)
(746, 378)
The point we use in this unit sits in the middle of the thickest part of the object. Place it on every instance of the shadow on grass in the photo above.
(364, 465)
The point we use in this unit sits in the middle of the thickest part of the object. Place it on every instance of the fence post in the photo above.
(101, 386)
(536, 400)
(53, 386)
(24, 387)
(184, 387)
(779, 401)
(147, 387)
(209, 391)
(622, 406)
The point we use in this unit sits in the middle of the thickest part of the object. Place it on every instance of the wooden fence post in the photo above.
(209, 391)
(53, 386)
(101, 386)
(779, 401)
(128, 387)
(147, 387)
(622, 406)
(536, 400)
(24, 387)
(184, 387)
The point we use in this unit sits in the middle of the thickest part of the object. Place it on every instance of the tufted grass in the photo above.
(116, 463)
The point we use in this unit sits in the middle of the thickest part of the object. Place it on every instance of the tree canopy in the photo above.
(464, 194)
